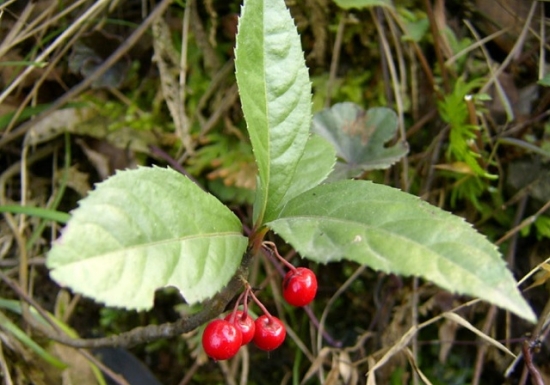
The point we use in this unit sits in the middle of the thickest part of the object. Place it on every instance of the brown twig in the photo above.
(143, 334)
(537, 334)
(536, 378)
(526, 222)
(437, 45)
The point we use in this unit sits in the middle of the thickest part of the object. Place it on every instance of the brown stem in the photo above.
(273, 247)
(536, 378)
(259, 303)
(143, 334)
(437, 45)
(237, 303)
(245, 303)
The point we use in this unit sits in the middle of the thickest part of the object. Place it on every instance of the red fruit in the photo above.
(244, 324)
(299, 286)
(221, 340)
(270, 333)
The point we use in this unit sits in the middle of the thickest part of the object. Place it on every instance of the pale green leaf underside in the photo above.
(395, 232)
(145, 229)
(275, 95)
(359, 138)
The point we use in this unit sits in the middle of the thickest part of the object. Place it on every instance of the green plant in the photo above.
(149, 228)
(463, 134)
(468, 162)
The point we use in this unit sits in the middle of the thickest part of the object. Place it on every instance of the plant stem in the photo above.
(143, 334)
(536, 378)
(245, 303)
(259, 303)
(232, 319)
(273, 247)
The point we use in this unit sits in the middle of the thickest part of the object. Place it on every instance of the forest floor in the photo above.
(88, 88)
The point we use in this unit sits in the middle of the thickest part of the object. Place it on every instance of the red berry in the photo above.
(299, 286)
(244, 324)
(221, 339)
(270, 333)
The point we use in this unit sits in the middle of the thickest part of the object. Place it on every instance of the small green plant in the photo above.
(468, 162)
(150, 228)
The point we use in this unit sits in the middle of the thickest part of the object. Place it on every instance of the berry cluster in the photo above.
(222, 339)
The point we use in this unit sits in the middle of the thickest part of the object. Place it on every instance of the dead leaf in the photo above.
(348, 372)
(76, 180)
(413, 363)
(56, 124)
(458, 167)
(462, 322)
(316, 364)
(332, 377)
(371, 376)
(79, 371)
(541, 277)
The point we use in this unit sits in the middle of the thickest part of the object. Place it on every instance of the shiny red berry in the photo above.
(270, 333)
(244, 324)
(299, 286)
(221, 340)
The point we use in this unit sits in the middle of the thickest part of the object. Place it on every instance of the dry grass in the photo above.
(364, 327)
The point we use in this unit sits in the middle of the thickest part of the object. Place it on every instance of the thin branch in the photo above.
(536, 378)
(514, 51)
(143, 334)
(526, 222)
(437, 45)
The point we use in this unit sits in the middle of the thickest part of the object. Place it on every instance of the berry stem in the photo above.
(273, 248)
(260, 305)
(232, 319)
(245, 303)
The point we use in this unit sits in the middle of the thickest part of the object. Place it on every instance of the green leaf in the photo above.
(38, 212)
(313, 168)
(359, 138)
(545, 81)
(276, 98)
(454, 110)
(347, 4)
(395, 232)
(416, 30)
(144, 229)
(542, 224)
